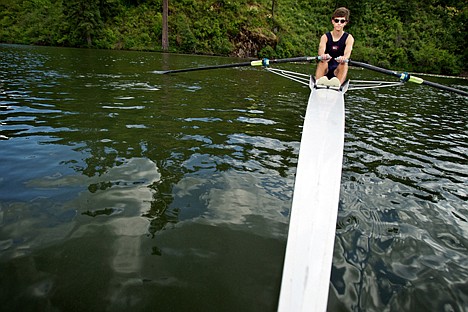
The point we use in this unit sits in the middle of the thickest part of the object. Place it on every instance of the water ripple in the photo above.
(403, 212)
(102, 175)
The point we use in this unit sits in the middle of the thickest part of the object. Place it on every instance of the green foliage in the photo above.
(413, 35)
(32, 22)
(423, 37)
(136, 28)
(83, 21)
(432, 59)
(207, 27)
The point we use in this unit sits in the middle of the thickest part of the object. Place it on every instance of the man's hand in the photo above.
(325, 58)
(341, 59)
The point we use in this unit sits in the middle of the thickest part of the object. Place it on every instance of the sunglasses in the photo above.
(339, 21)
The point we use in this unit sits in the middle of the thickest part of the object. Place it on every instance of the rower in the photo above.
(335, 49)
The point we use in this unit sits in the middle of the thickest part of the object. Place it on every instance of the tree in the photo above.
(273, 4)
(84, 21)
(165, 35)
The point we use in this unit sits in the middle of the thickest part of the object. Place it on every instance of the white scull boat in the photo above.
(309, 252)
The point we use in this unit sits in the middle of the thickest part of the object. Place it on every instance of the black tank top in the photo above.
(336, 48)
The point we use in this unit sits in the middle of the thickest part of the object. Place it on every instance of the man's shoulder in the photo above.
(324, 37)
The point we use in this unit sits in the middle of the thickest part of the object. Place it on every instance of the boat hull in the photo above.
(309, 251)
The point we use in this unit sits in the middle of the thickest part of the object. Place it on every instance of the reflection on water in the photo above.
(402, 244)
(125, 190)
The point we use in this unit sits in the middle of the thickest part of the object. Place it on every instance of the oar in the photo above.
(263, 62)
(407, 77)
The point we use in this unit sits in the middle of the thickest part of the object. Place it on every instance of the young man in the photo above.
(335, 49)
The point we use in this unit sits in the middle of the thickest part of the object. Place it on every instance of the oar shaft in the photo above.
(407, 77)
(446, 88)
(263, 62)
(205, 68)
(294, 59)
(374, 68)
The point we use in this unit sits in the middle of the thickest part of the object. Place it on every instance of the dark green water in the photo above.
(123, 190)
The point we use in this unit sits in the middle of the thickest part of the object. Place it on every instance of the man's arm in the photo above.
(349, 47)
(322, 47)
(347, 52)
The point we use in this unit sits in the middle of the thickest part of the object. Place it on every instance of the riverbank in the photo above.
(403, 35)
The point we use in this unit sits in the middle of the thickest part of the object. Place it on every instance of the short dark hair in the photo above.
(341, 12)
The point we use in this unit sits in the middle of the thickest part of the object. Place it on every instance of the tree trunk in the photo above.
(273, 9)
(165, 36)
